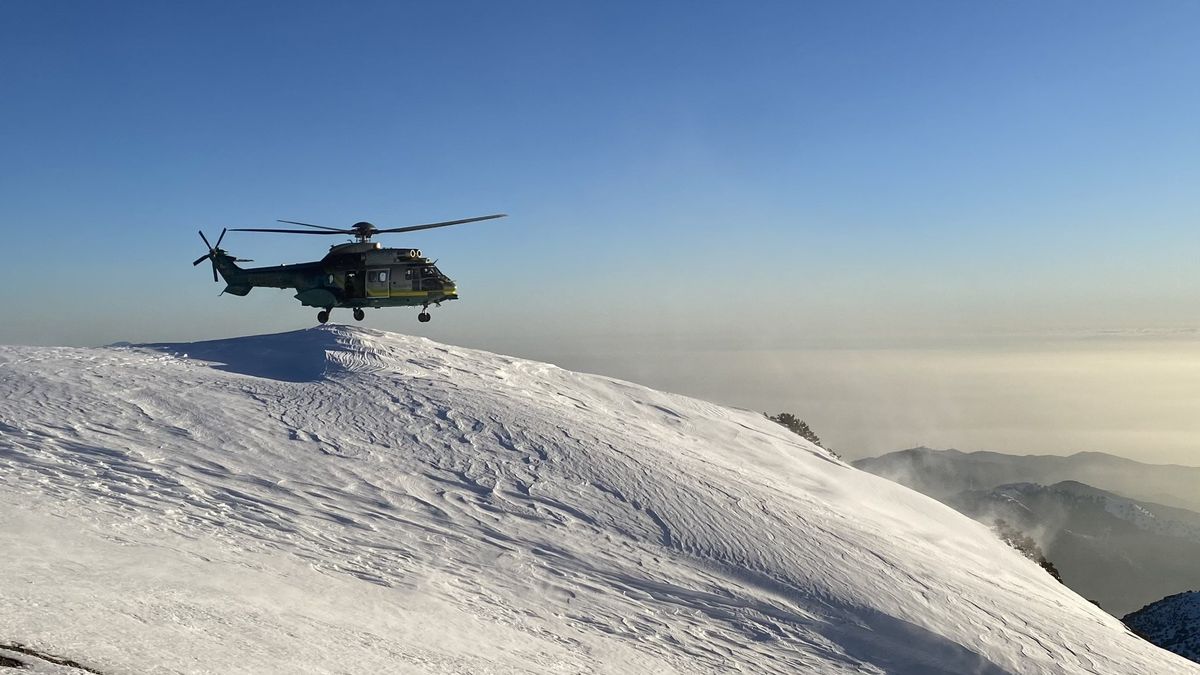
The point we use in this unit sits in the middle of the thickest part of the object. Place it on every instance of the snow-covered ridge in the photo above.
(348, 500)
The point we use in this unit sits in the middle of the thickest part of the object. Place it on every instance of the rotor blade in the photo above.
(223, 231)
(201, 259)
(430, 226)
(319, 227)
(205, 240)
(260, 229)
(214, 262)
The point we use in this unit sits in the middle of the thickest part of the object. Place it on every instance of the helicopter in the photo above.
(354, 275)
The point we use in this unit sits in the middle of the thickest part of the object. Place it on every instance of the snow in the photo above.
(1172, 623)
(347, 500)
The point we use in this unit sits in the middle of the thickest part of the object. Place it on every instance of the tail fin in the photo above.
(234, 276)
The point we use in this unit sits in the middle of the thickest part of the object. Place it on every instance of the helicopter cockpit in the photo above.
(426, 278)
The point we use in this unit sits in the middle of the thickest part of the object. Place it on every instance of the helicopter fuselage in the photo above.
(355, 275)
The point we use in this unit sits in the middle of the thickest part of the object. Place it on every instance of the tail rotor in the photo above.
(212, 251)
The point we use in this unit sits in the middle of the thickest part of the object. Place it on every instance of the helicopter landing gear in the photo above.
(358, 314)
(323, 315)
(424, 317)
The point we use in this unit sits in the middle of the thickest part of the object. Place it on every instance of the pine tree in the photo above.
(796, 426)
(1025, 544)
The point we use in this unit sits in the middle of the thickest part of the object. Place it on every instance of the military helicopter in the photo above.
(355, 274)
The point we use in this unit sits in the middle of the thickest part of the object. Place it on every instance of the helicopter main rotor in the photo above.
(363, 231)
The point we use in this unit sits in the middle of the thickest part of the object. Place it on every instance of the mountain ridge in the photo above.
(941, 473)
(1172, 623)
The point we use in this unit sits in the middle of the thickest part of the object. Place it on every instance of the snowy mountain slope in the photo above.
(346, 500)
(1172, 623)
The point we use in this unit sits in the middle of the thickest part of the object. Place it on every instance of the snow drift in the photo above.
(347, 500)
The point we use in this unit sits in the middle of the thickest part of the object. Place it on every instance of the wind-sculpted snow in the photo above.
(345, 500)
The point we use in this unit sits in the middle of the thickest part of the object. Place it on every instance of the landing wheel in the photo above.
(424, 317)
(359, 314)
(323, 315)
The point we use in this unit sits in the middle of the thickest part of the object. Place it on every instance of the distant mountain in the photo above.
(1120, 552)
(940, 473)
(1172, 623)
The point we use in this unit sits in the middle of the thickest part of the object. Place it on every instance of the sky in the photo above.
(946, 223)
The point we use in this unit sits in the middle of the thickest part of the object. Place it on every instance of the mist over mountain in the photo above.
(941, 473)
(348, 500)
(1119, 552)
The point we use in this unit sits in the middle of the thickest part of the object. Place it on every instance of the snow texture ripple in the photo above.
(341, 500)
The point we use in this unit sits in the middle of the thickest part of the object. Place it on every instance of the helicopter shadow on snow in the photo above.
(295, 356)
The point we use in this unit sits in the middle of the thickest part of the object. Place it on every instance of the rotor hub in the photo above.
(363, 230)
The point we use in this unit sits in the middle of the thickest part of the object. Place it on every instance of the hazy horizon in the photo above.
(1128, 396)
(944, 224)
(1015, 394)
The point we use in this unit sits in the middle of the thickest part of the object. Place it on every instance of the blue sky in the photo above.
(732, 176)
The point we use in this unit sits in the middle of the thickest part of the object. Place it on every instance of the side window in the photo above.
(409, 273)
(383, 276)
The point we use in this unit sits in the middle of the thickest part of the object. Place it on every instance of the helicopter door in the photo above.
(355, 284)
(378, 283)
